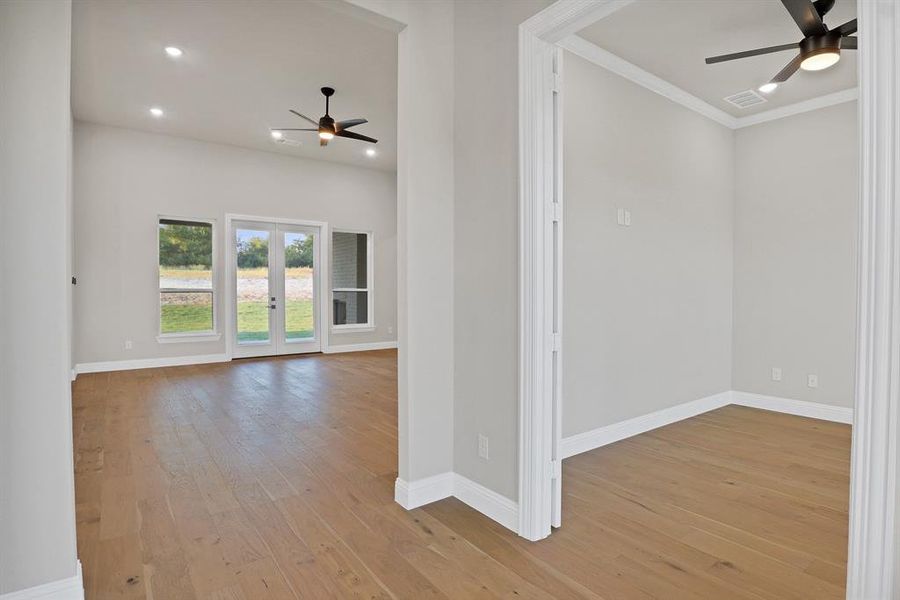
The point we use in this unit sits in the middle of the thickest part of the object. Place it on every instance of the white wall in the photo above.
(795, 255)
(37, 503)
(646, 308)
(485, 241)
(125, 179)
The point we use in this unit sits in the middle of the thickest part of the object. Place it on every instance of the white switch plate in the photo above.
(623, 217)
(812, 380)
(776, 373)
(483, 447)
(128, 344)
(627, 218)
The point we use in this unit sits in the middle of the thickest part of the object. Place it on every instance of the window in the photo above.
(351, 280)
(186, 294)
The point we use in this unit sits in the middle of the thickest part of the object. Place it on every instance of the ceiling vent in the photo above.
(288, 142)
(745, 99)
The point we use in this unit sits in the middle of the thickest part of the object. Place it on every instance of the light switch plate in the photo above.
(812, 380)
(776, 373)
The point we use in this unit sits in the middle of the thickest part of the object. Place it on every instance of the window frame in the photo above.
(189, 336)
(369, 325)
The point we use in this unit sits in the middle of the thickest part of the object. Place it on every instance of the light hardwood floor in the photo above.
(274, 479)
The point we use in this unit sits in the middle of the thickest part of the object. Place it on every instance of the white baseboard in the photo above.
(413, 494)
(70, 588)
(336, 349)
(596, 438)
(801, 408)
(495, 506)
(150, 363)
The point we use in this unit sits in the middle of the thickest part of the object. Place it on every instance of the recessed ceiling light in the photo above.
(173, 51)
(370, 151)
(277, 135)
(156, 112)
(768, 88)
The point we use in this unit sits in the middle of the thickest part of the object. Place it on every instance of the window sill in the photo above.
(351, 328)
(179, 338)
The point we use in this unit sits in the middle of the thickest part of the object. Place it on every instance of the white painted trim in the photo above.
(597, 438)
(873, 550)
(591, 52)
(801, 408)
(181, 338)
(799, 107)
(495, 506)
(488, 502)
(539, 173)
(70, 588)
(609, 61)
(413, 494)
(150, 363)
(340, 348)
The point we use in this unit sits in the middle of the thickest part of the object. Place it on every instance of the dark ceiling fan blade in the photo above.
(349, 123)
(789, 70)
(806, 16)
(847, 28)
(302, 116)
(356, 136)
(746, 53)
(848, 43)
(290, 129)
(823, 6)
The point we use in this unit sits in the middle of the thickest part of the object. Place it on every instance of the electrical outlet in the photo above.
(483, 447)
(128, 345)
(812, 380)
(776, 373)
(391, 329)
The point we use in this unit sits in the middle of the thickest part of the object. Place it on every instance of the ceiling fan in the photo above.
(819, 49)
(327, 127)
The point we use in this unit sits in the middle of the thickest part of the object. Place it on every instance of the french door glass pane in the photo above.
(351, 308)
(253, 293)
(298, 286)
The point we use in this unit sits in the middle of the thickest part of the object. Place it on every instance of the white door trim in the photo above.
(873, 548)
(230, 291)
(540, 284)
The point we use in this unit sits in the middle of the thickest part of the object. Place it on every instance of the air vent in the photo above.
(745, 99)
(288, 142)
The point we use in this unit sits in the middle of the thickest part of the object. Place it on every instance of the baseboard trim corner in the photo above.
(413, 494)
(339, 348)
(70, 588)
(596, 438)
(150, 363)
(800, 408)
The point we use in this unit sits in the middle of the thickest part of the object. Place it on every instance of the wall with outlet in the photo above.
(124, 179)
(647, 251)
(795, 256)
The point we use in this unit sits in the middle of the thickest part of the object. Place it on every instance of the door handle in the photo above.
(271, 306)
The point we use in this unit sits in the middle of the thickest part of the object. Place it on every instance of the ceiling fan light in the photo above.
(821, 60)
(326, 135)
(768, 88)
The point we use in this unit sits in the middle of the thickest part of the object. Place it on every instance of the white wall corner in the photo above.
(413, 494)
(70, 588)
(800, 408)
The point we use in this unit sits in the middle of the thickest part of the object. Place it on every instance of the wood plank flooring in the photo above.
(273, 478)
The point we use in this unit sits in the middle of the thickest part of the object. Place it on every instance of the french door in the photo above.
(276, 288)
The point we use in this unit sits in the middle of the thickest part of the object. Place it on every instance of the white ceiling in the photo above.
(245, 64)
(671, 38)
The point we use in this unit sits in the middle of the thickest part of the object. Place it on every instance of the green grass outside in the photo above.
(253, 319)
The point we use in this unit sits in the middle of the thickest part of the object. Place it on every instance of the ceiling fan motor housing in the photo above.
(820, 44)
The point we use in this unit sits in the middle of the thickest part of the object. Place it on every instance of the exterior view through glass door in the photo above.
(276, 288)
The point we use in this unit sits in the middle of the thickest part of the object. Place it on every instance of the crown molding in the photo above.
(618, 65)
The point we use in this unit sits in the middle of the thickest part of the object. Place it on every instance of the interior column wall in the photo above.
(37, 504)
